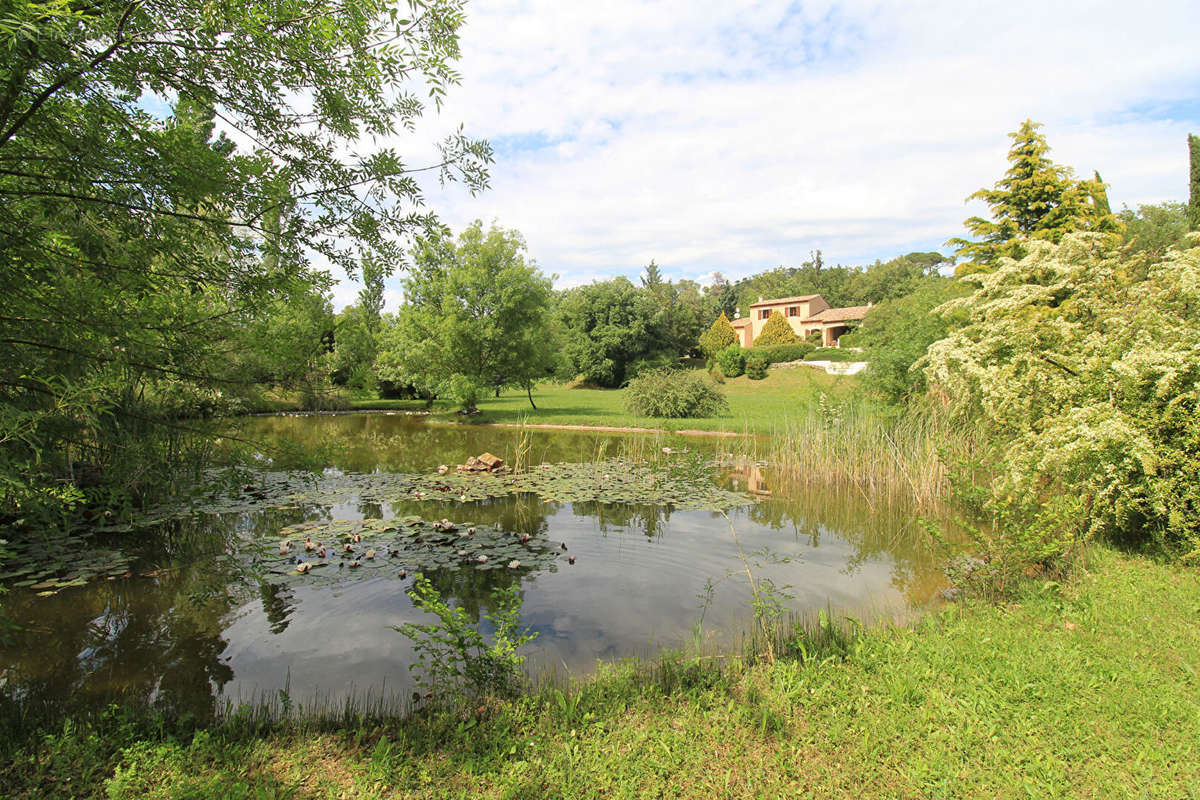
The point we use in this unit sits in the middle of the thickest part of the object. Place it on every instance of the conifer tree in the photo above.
(1100, 218)
(1194, 193)
(653, 277)
(718, 337)
(1099, 192)
(776, 331)
(1036, 199)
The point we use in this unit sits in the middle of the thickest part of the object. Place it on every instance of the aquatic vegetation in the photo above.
(396, 547)
(682, 484)
(321, 551)
(46, 565)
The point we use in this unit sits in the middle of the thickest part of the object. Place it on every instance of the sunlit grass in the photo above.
(757, 407)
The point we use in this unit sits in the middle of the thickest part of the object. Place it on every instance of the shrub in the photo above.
(850, 339)
(1083, 364)
(833, 354)
(718, 337)
(455, 658)
(715, 373)
(779, 353)
(732, 361)
(897, 332)
(756, 367)
(674, 394)
(776, 331)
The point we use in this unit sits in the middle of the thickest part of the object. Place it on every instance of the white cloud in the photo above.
(739, 136)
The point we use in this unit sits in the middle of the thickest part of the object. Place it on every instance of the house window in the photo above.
(764, 313)
(793, 311)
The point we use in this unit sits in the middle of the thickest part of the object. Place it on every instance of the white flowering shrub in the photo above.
(1084, 361)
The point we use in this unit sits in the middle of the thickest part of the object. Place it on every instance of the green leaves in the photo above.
(1036, 199)
(718, 337)
(776, 331)
(1083, 361)
(476, 317)
(144, 255)
(673, 393)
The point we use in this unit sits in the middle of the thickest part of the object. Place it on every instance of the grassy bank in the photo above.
(1088, 689)
(760, 407)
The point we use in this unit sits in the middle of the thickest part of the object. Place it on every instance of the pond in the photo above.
(195, 624)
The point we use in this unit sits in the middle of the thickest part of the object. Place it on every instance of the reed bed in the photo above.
(852, 446)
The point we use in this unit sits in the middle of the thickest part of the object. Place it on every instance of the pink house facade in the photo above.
(806, 314)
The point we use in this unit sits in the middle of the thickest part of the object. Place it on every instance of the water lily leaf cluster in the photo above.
(321, 552)
(379, 546)
(681, 485)
(48, 565)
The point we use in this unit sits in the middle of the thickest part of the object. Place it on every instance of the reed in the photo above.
(853, 446)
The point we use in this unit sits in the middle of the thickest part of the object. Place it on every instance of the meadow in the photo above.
(755, 407)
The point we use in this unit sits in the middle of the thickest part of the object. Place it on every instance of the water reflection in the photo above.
(192, 630)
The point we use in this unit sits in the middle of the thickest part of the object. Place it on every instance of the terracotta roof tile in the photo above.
(778, 300)
(839, 314)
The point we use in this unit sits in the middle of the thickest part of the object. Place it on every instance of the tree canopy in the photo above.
(718, 337)
(168, 170)
(1194, 182)
(475, 317)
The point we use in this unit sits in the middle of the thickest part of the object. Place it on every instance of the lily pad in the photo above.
(400, 546)
(684, 486)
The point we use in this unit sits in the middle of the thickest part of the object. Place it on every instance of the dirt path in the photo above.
(602, 429)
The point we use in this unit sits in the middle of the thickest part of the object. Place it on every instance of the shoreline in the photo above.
(537, 425)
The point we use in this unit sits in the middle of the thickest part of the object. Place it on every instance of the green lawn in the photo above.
(1086, 690)
(755, 406)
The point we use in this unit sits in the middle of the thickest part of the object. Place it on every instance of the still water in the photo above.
(190, 635)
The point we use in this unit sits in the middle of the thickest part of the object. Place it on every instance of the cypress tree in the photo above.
(1100, 196)
(776, 331)
(718, 337)
(1194, 194)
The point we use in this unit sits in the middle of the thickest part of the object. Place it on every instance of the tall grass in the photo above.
(853, 445)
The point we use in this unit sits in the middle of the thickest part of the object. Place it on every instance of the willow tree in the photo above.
(167, 169)
(1036, 199)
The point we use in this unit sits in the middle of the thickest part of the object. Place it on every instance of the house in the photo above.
(806, 314)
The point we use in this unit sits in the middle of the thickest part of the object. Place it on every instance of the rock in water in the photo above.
(492, 462)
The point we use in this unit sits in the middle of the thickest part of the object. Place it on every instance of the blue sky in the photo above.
(737, 137)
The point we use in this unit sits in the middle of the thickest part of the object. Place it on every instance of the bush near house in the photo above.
(756, 367)
(776, 331)
(732, 361)
(779, 353)
(674, 394)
